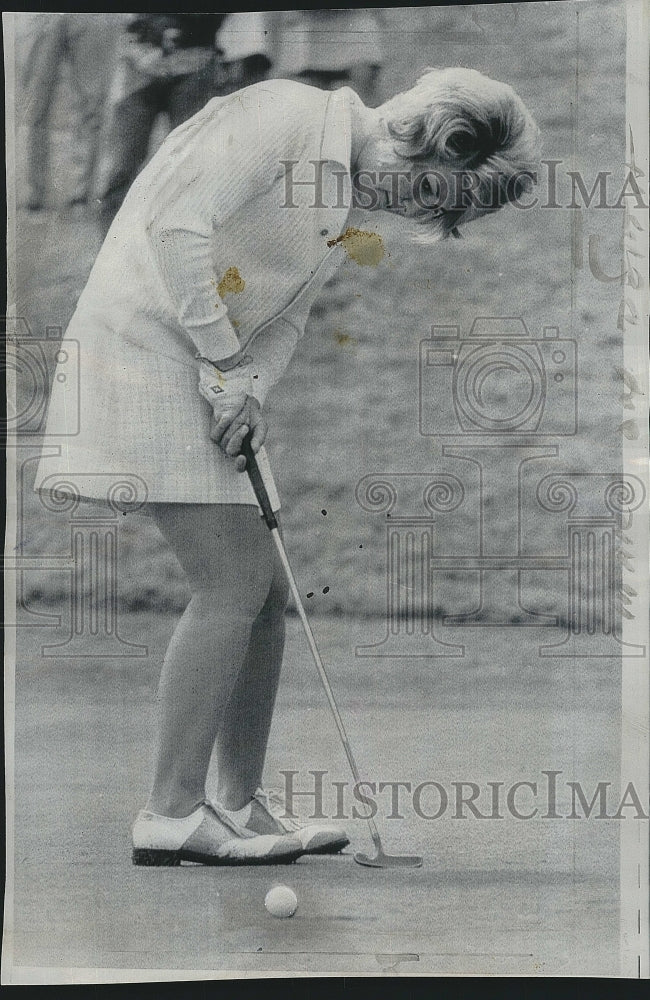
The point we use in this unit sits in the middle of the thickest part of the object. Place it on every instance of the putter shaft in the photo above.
(322, 674)
(382, 860)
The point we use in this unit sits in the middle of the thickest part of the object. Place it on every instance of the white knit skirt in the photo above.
(127, 424)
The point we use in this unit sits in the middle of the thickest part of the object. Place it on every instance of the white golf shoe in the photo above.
(208, 836)
(265, 814)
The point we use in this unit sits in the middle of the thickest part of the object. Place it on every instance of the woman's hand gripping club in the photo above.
(236, 413)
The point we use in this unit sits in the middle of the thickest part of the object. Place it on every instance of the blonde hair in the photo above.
(460, 119)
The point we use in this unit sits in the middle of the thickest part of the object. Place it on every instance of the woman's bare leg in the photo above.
(228, 556)
(243, 735)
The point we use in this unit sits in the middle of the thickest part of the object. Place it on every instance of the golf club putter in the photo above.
(380, 859)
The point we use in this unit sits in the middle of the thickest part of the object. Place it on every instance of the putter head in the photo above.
(383, 860)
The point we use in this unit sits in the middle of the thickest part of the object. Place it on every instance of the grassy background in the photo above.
(349, 404)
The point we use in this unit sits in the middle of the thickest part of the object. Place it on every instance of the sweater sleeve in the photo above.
(271, 352)
(234, 157)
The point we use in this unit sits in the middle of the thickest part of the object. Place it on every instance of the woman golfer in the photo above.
(246, 201)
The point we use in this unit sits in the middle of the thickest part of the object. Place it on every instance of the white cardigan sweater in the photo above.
(209, 212)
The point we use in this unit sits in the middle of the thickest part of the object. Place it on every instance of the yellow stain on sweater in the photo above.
(232, 281)
(342, 338)
(367, 249)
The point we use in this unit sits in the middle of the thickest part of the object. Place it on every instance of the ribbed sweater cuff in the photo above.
(214, 339)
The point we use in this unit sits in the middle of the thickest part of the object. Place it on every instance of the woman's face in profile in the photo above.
(403, 186)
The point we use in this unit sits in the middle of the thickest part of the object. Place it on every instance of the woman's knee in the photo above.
(260, 600)
(277, 598)
(224, 606)
(225, 551)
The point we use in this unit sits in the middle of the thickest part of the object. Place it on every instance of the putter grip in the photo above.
(255, 476)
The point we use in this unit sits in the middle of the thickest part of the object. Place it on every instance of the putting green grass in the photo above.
(493, 896)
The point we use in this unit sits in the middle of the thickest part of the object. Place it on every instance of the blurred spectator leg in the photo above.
(364, 78)
(92, 40)
(41, 69)
(245, 40)
(125, 145)
(318, 78)
(246, 72)
(191, 92)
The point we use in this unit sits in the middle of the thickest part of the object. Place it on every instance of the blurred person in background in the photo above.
(245, 44)
(330, 48)
(167, 63)
(171, 64)
(87, 43)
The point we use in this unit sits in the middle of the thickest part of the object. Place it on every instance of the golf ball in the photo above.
(281, 901)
